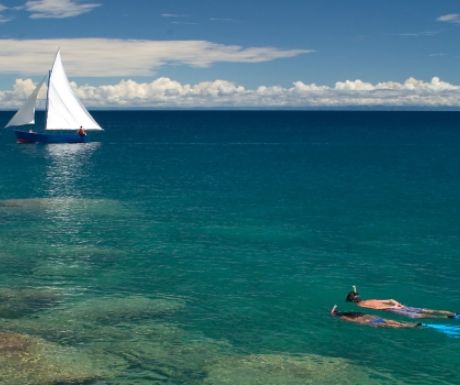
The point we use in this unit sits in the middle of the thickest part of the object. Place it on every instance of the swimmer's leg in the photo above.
(416, 312)
(438, 313)
(402, 325)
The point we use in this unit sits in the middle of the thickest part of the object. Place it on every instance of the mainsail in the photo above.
(65, 111)
(26, 114)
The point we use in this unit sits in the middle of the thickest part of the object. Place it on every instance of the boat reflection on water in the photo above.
(65, 224)
(67, 181)
(68, 164)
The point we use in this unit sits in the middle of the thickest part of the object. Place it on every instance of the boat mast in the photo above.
(48, 88)
(47, 97)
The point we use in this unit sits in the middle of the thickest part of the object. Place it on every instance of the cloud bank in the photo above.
(100, 57)
(167, 93)
(57, 9)
(450, 18)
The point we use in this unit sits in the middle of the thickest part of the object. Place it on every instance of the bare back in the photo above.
(380, 304)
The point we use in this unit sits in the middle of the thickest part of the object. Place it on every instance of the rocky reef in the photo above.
(133, 340)
(28, 360)
(18, 302)
(286, 369)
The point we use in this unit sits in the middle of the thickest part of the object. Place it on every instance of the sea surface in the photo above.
(207, 247)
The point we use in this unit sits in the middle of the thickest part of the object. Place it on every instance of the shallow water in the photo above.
(208, 247)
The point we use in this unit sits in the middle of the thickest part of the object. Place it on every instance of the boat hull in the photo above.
(38, 137)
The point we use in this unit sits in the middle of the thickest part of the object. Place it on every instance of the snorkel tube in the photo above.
(334, 310)
(356, 298)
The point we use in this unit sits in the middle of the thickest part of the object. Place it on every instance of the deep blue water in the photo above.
(257, 221)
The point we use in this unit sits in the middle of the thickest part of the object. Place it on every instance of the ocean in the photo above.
(208, 247)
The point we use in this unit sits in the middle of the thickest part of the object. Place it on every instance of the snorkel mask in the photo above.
(353, 296)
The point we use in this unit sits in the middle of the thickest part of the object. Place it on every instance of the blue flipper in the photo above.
(449, 330)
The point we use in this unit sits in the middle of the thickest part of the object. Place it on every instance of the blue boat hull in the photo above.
(38, 137)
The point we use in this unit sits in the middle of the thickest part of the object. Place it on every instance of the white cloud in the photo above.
(417, 34)
(355, 85)
(300, 86)
(101, 57)
(57, 9)
(128, 59)
(165, 93)
(173, 15)
(3, 18)
(177, 18)
(450, 18)
(184, 22)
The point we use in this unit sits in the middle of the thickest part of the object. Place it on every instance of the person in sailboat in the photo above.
(64, 111)
(81, 131)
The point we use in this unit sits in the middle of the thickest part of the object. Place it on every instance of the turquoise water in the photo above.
(208, 247)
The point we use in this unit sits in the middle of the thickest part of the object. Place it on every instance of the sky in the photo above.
(236, 54)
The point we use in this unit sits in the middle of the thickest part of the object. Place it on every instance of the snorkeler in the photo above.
(396, 307)
(378, 322)
(371, 320)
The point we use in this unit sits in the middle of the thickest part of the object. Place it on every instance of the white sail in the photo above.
(65, 111)
(26, 114)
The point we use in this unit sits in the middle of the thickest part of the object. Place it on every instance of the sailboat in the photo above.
(64, 112)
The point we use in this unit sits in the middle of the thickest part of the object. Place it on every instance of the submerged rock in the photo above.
(27, 360)
(163, 354)
(284, 369)
(76, 260)
(32, 202)
(153, 351)
(12, 342)
(95, 319)
(17, 302)
(58, 269)
(122, 308)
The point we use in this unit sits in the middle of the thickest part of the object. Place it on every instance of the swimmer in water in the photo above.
(371, 320)
(396, 307)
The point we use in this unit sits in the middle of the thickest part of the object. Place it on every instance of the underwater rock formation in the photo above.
(76, 260)
(17, 302)
(32, 202)
(27, 360)
(126, 341)
(93, 319)
(165, 354)
(113, 309)
(126, 331)
(285, 369)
